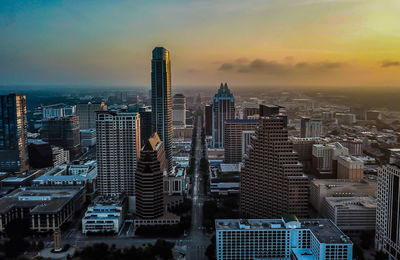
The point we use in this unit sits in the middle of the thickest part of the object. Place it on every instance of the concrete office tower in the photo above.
(161, 104)
(388, 210)
(234, 140)
(13, 133)
(354, 145)
(303, 147)
(149, 179)
(145, 123)
(118, 149)
(179, 110)
(223, 109)
(272, 181)
(310, 127)
(63, 132)
(350, 167)
(87, 114)
(324, 159)
(208, 119)
(250, 109)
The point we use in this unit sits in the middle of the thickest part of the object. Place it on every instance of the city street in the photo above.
(197, 240)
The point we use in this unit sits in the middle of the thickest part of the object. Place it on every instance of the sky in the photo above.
(332, 43)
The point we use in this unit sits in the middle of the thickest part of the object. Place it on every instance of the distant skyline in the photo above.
(244, 43)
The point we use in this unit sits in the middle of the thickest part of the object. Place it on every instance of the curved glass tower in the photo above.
(161, 117)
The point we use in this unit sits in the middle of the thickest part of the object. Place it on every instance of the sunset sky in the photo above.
(246, 43)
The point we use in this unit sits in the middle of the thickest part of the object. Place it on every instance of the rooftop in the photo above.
(39, 200)
(352, 203)
(323, 229)
(367, 186)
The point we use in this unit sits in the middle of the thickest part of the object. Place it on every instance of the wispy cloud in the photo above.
(279, 68)
(390, 63)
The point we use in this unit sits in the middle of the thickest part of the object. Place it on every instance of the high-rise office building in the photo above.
(324, 159)
(272, 180)
(233, 138)
(87, 114)
(388, 210)
(161, 104)
(281, 238)
(303, 147)
(13, 133)
(64, 132)
(145, 123)
(250, 109)
(223, 109)
(310, 127)
(118, 149)
(179, 110)
(208, 119)
(149, 179)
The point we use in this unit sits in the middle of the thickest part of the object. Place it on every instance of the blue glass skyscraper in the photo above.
(161, 103)
(13, 133)
(223, 109)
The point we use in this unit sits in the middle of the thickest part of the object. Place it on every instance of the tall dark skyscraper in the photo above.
(13, 133)
(161, 103)
(208, 119)
(64, 132)
(145, 123)
(149, 179)
(272, 182)
(223, 109)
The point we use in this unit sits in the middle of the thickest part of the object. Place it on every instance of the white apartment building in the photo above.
(118, 149)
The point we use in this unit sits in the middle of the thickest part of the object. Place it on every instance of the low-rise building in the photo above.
(225, 179)
(70, 175)
(351, 213)
(60, 156)
(321, 188)
(106, 214)
(46, 208)
(175, 182)
(88, 137)
(286, 238)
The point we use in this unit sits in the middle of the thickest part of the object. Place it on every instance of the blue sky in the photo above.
(257, 42)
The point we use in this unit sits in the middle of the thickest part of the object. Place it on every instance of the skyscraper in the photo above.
(223, 109)
(149, 179)
(234, 140)
(64, 132)
(118, 149)
(310, 127)
(272, 181)
(208, 119)
(87, 114)
(13, 133)
(161, 104)
(388, 210)
(145, 123)
(179, 110)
